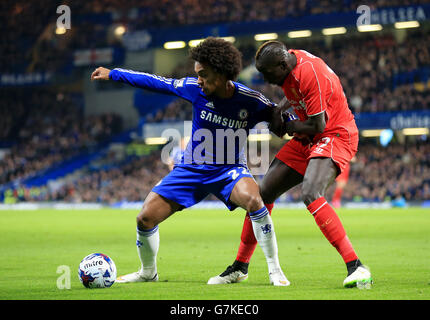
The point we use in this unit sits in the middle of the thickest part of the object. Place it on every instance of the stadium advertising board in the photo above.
(393, 120)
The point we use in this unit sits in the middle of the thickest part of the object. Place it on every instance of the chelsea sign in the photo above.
(393, 15)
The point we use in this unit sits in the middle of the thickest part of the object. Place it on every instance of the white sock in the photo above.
(148, 242)
(264, 232)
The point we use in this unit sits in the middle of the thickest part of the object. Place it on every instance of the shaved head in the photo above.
(274, 61)
(271, 51)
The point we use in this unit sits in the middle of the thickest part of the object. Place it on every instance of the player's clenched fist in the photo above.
(100, 74)
(289, 121)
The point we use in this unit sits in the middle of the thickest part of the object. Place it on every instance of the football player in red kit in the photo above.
(315, 93)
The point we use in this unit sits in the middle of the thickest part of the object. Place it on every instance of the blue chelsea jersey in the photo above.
(219, 126)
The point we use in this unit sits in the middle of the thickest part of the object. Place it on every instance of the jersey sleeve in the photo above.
(185, 88)
(265, 108)
(313, 86)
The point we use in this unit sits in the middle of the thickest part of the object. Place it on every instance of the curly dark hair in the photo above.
(222, 56)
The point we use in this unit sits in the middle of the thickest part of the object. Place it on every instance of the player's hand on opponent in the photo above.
(276, 124)
(289, 127)
(100, 74)
(289, 119)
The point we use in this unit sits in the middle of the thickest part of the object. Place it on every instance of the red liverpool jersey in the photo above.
(312, 88)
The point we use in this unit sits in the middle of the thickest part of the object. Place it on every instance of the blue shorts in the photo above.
(190, 184)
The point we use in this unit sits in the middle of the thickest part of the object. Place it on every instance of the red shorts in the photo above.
(341, 147)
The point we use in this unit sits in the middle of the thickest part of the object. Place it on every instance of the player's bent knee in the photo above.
(144, 222)
(254, 203)
(310, 194)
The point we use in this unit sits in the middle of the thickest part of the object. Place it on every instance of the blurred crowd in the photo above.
(377, 74)
(22, 23)
(398, 171)
(131, 181)
(30, 43)
(47, 128)
(140, 14)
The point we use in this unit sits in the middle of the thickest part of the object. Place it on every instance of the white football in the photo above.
(97, 270)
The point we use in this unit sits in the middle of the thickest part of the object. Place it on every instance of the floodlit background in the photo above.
(64, 139)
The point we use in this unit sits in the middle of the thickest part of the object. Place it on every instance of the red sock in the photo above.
(331, 226)
(248, 242)
(337, 196)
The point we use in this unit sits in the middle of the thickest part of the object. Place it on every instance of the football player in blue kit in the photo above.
(223, 111)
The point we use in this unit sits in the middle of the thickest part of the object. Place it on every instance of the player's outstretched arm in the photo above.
(186, 88)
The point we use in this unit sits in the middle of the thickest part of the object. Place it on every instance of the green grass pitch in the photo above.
(199, 243)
